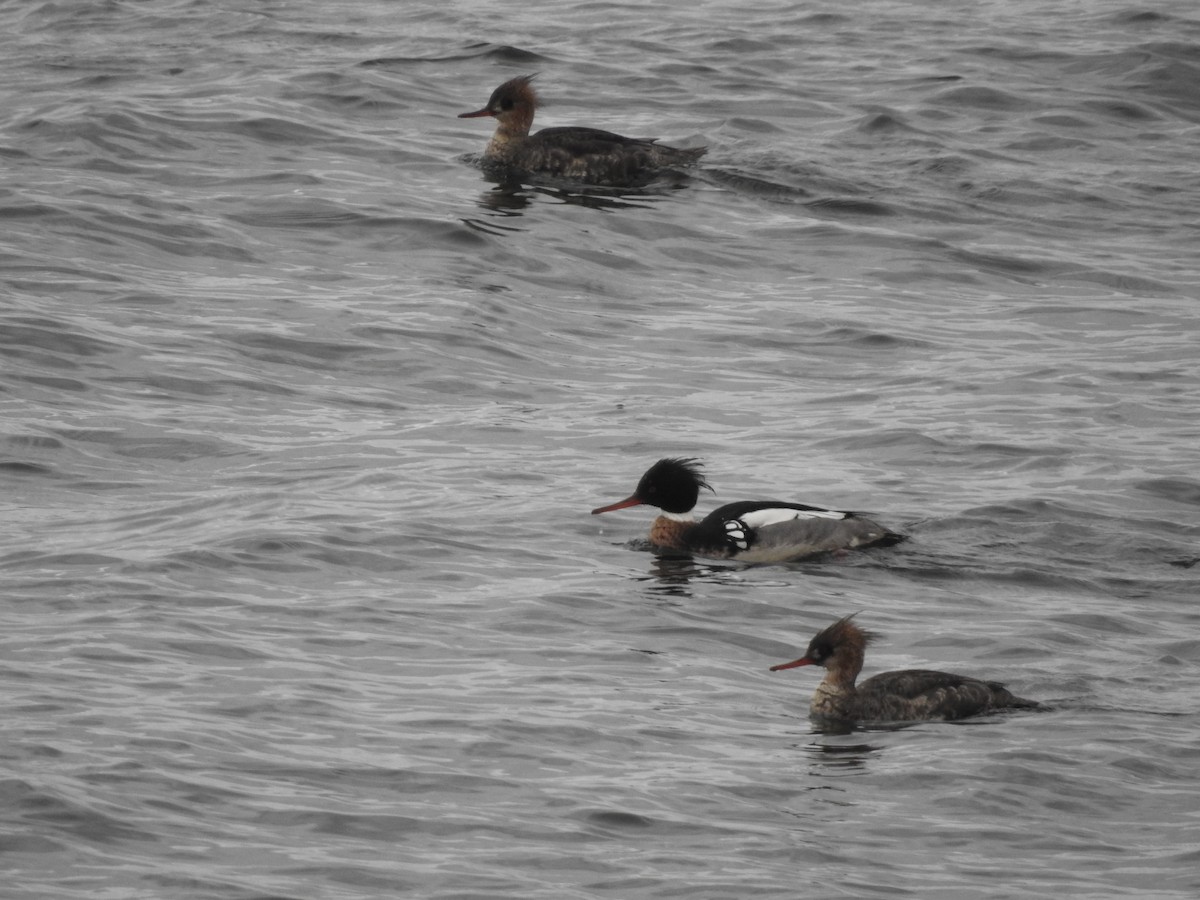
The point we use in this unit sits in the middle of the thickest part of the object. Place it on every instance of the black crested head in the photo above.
(673, 485)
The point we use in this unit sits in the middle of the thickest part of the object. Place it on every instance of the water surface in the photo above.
(304, 418)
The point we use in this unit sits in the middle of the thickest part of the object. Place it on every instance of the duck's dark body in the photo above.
(918, 694)
(587, 155)
(907, 695)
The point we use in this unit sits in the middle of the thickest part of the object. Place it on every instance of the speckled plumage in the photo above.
(588, 155)
(902, 696)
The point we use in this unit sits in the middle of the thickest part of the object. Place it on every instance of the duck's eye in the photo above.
(507, 103)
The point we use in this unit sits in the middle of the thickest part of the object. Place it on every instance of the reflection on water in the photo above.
(673, 575)
(671, 572)
(832, 756)
(513, 196)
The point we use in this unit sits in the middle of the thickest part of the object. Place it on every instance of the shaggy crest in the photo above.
(513, 91)
(677, 465)
(673, 485)
(842, 633)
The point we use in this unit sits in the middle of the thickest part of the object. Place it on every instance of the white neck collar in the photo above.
(676, 517)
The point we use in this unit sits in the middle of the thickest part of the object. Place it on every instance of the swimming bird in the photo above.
(588, 155)
(907, 695)
(748, 531)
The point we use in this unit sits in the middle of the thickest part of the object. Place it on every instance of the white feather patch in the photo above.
(676, 517)
(761, 518)
(735, 531)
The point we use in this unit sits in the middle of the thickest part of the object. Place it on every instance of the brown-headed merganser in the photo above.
(908, 695)
(588, 155)
(750, 531)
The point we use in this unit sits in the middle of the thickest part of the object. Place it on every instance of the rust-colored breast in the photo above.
(666, 532)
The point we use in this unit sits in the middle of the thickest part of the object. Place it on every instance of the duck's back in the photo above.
(917, 694)
(597, 156)
(776, 531)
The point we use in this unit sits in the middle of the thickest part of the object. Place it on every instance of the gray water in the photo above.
(303, 419)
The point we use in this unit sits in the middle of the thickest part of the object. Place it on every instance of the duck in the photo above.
(576, 153)
(752, 531)
(908, 695)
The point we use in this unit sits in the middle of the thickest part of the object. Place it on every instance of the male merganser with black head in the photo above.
(581, 154)
(909, 695)
(762, 531)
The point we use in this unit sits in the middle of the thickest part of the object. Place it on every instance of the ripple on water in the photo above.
(305, 416)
